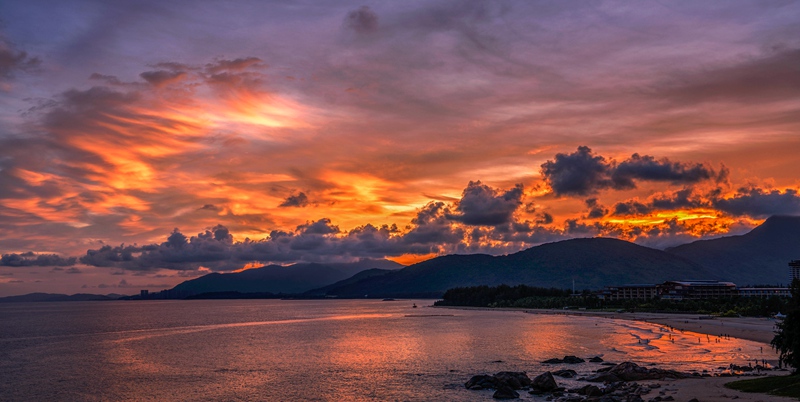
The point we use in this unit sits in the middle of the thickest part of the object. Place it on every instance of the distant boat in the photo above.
(389, 299)
(414, 306)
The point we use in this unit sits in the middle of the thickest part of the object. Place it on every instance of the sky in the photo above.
(145, 143)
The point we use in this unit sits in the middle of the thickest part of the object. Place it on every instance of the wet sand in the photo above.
(750, 328)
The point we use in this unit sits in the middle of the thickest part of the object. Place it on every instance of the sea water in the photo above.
(317, 350)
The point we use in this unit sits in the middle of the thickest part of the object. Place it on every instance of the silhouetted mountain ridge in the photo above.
(592, 263)
(757, 257)
(292, 279)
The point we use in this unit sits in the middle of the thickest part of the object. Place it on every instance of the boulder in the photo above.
(589, 390)
(628, 371)
(544, 382)
(567, 373)
(572, 360)
(596, 359)
(553, 361)
(514, 379)
(505, 392)
(603, 377)
(482, 381)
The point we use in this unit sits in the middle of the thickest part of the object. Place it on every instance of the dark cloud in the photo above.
(222, 65)
(596, 210)
(647, 168)
(681, 199)
(578, 173)
(162, 77)
(544, 218)
(582, 172)
(32, 259)
(13, 60)
(362, 21)
(483, 205)
(760, 203)
(299, 200)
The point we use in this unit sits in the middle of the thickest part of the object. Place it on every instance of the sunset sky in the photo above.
(144, 143)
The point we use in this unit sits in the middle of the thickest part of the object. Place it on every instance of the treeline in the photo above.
(523, 296)
(497, 296)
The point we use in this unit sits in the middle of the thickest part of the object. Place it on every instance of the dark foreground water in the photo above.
(324, 350)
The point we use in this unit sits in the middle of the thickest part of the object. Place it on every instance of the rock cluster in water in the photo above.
(618, 383)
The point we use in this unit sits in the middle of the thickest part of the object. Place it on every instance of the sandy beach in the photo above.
(751, 328)
(708, 389)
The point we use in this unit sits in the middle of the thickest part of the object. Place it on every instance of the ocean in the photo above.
(313, 350)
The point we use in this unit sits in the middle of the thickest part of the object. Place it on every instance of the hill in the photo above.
(758, 257)
(293, 279)
(591, 263)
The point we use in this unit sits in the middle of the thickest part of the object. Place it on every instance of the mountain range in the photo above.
(292, 279)
(758, 257)
(755, 258)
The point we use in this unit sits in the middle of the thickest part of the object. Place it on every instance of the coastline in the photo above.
(749, 328)
(706, 389)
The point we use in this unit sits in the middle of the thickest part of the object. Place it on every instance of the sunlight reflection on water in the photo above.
(312, 350)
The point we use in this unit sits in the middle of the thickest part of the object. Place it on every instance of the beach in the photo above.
(703, 389)
(752, 328)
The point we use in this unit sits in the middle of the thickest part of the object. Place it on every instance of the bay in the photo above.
(316, 350)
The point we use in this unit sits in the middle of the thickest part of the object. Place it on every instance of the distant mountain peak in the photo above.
(759, 257)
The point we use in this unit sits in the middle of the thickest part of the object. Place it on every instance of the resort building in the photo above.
(697, 289)
(635, 291)
(676, 290)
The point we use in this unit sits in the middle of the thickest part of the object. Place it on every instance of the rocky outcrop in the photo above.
(505, 379)
(566, 373)
(505, 392)
(628, 371)
(544, 383)
(566, 359)
(482, 381)
(514, 379)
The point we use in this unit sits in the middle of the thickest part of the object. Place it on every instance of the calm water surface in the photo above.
(321, 350)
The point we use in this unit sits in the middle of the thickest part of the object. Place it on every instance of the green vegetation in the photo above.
(773, 385)
(531, 297)
(787, 339)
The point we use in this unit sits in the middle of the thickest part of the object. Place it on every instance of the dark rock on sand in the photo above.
(589, 390)
(573, 360)
(504, 379)
(513, 379)
(603, 377)
(596, 359)
(481, 382)
(505, 392)
(553, 361)
(567, 373)
(628, 371)
(544, 383)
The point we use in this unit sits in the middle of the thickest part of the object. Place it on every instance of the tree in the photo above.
(787, 337)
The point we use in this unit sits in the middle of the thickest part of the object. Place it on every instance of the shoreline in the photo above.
(749, 328)
(705, 389)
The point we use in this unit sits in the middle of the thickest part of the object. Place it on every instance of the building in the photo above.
(794, 270)
(764, 292)
(696, 289)
(633, 291)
